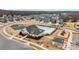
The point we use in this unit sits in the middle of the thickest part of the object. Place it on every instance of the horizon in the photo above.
(42, 9)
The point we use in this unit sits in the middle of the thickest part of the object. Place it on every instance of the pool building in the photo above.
(38, 31)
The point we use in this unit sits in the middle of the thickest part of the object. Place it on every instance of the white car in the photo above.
(77, 27)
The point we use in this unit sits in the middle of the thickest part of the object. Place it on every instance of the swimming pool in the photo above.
(47, 30)
(18, 27)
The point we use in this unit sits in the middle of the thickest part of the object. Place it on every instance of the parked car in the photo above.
(77, 26)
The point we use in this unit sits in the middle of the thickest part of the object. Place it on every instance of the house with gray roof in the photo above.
(58, 42)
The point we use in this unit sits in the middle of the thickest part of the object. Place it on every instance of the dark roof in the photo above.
(59, 40)
(33, 29)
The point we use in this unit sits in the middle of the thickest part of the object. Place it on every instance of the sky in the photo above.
(39, 4)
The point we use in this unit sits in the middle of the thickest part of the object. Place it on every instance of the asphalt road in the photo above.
(6, 44)
(75, 38)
